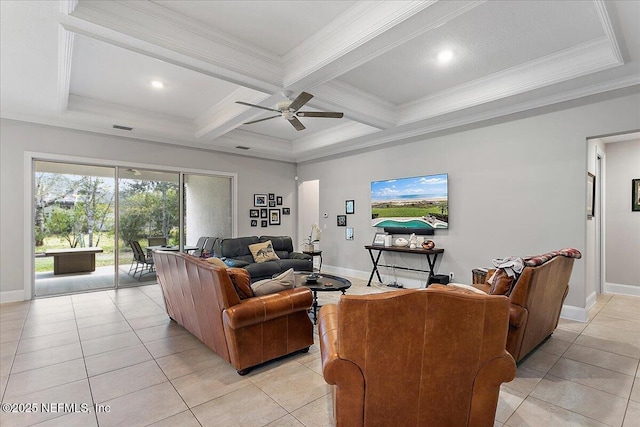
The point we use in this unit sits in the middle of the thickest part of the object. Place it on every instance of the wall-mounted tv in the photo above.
(416, 203)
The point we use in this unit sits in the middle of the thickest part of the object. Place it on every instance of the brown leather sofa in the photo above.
(535, 299)
(202, 298)
(429, 357)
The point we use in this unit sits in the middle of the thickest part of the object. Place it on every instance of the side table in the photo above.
(315, 254)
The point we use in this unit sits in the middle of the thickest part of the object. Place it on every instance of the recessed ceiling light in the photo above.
(445, 56)
(157, 84)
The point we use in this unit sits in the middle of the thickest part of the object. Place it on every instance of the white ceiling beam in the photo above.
(363, 33)
(154, 31)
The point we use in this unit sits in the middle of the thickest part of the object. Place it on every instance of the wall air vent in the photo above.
(242, 147)
(122, 127)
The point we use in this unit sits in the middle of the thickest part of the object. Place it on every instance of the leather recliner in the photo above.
(536, 299)
(201, 297)
(429, 357)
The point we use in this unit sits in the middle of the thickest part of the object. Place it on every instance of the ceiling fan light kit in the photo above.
(289, 110)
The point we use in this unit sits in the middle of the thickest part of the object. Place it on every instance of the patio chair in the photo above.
(208, 246)
(142, 262)
(201, 242)
(157, 241)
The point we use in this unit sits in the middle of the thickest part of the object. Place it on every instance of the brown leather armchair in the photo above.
(429, 357)
(535, 299)
(202, 298)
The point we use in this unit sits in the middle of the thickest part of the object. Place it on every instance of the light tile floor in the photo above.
(119, 350)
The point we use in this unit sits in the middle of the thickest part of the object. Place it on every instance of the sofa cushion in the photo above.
(237, 263)
(216, 261)
(236, 248)
(500, 282)
(263, 252)
(280, 243)
(241, 282)
(279, 283)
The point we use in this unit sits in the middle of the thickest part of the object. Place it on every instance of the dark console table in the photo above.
(431, 254)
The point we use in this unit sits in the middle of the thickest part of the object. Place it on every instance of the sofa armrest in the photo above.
(255, 310)
(517, 315)
(486, 388)
(299, 255)
(235, 263)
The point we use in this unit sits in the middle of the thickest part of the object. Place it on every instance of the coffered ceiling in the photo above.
(89, 65)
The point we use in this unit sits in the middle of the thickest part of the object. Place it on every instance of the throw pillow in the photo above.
(279, 283)
(241, 281)
(467, 288)
(501, 283)
(216, 261)
(263, 252)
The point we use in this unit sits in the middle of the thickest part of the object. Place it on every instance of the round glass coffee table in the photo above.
(325, 283)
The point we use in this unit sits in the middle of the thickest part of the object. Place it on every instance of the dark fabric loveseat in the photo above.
(235, 253)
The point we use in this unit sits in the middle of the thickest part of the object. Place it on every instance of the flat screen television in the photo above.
(415, 204)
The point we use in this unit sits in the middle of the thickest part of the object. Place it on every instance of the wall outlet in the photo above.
(451, 276)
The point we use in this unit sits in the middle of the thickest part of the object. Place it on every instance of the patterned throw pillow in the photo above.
(241, 281)
(279, 283)
(263, 252)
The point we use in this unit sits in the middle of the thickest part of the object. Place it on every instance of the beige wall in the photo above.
(622, 226)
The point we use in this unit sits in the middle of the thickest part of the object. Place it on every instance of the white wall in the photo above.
(254, 176)
(622, 226)
(515, 188)
(208, 202)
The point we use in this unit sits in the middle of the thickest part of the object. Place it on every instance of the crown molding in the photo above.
(158, 26)
(607, 27)
(570, 63)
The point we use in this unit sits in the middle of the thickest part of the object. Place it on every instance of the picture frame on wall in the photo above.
(635, 195)
(260, 200)
(272, 203)
(272, 196)
(263, 213)
(274, 216)
(279, 200)
(264, 223)
(350, 207)
(254, 213)
(286, 211)
(591, 195)
(254, 222)
(348, 233)
(342, 220)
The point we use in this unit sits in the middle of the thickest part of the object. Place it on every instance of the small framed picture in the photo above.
(260, 200)
(348, 233)
(264, 223)
(350, 207)
(342, 220)
(378, 239)
(263, 213)
(279, 200)
(274, 216)
(635, 195)
(272, 203)
(272, 196)
(286, 211)
(254, 213)
(254, 222)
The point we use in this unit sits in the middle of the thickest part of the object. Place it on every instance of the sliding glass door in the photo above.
(97, 226)
(148, 206)
(73, 227)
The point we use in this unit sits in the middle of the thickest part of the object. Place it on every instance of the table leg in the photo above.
(432, 263)
(375, 267)
(315, 307)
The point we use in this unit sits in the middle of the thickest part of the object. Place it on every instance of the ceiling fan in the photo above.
(289, 110)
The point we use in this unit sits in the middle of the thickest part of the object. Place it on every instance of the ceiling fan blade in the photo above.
(302, 99)
(257, 106)
(262, 120)
(331, 115)
(297, 124)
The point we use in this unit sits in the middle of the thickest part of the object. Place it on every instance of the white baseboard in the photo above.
(12, 296)
(591, 300)
(578, 314)
(616, 288)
